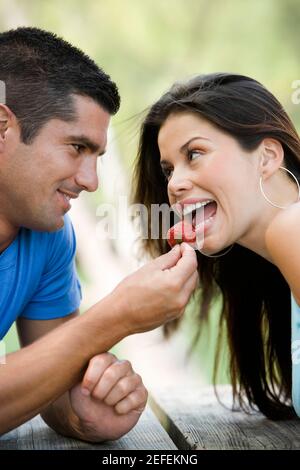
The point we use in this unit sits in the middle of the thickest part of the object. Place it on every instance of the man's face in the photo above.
(37, 179)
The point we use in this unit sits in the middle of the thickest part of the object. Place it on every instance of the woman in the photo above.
(225, 139)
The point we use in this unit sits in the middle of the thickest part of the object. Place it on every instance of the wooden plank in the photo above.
(35, 434)
(195, 420)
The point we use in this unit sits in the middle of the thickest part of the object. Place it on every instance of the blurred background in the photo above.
(145, 46)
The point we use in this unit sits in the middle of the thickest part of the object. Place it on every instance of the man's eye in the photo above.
(78, 147)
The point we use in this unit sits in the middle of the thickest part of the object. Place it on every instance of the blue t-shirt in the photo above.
(296, 356)
(38, 278)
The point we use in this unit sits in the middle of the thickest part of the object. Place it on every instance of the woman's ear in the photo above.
(272, 156)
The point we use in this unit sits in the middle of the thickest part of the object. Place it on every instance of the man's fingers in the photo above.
(191, 284)
(169, 259)
(187, 264)
(135, 401)
(185, 247)
(123, 388)
(97, 365)
(110, 378)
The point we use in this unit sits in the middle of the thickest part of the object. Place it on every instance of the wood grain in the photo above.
(35, 434)
(195, 420)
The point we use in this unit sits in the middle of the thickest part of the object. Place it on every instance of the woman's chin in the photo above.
(210, 246)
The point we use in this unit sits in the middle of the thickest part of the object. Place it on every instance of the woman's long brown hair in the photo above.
(256, 298)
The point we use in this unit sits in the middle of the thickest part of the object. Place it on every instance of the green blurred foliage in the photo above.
(203, 350)
(147, 45)
(11, 340)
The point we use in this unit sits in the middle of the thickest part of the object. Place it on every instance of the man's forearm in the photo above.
(40, 373)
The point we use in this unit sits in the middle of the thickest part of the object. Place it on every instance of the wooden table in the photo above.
(177, 418)
(196, 420)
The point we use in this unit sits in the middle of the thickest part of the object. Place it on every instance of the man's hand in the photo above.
(159, 291)
(109, 400)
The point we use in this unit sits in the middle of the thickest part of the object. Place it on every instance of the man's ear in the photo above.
(272, 156)
(5, 117)
(7, 121)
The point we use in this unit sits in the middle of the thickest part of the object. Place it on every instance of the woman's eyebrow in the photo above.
(184, 146)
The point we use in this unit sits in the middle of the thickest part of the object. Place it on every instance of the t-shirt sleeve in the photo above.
(59, 292)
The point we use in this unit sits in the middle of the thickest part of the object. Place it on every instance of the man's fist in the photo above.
(109, 400)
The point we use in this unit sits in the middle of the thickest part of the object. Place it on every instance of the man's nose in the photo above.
(87, 177)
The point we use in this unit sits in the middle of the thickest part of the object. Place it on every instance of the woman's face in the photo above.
(203, 163)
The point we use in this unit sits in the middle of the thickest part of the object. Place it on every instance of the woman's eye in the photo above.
(167, 172)
(193, 154)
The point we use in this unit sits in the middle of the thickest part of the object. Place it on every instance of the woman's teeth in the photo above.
(192, 207)
(196, 214)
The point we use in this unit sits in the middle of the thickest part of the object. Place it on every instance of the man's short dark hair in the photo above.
(42, 71)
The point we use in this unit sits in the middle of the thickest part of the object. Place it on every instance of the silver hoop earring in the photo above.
(218, 256)
(268, 200)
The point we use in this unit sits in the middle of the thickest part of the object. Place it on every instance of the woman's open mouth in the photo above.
(200, 214)
(197, 218)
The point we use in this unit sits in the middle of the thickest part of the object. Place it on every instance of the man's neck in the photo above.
(7, 234)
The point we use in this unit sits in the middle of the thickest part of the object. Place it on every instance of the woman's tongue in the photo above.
(210, 209)
(185, 230)
(181, 232)
(204, 213)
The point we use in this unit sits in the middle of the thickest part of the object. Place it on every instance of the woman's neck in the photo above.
(282, 190)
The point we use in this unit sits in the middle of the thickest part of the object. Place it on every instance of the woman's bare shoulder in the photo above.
(283, 224)
(283, 243)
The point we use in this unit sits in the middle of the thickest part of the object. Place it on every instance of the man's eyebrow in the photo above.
(88, 143)
(183, 148)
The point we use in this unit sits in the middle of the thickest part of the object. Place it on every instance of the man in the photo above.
(53, 126)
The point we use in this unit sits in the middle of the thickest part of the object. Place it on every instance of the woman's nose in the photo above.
(179, 183)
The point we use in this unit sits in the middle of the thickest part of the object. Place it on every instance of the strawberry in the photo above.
(181, 232)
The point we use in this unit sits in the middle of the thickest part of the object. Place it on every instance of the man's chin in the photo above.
(46, 225)
(57, 225)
